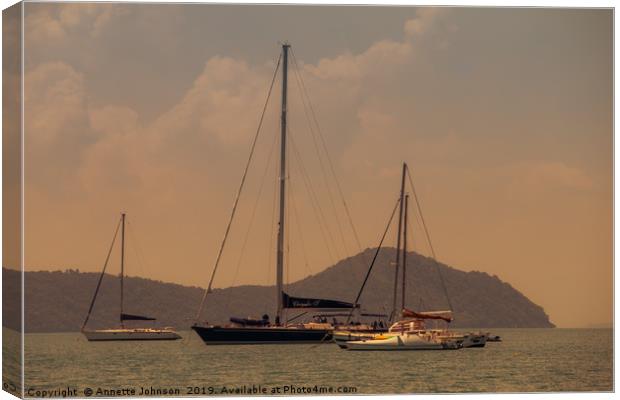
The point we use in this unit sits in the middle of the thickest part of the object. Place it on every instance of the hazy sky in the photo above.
(504, 116)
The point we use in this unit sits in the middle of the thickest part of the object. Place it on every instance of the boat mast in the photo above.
(400, 220)
(122, 262)
(280, 255)
(405, 250)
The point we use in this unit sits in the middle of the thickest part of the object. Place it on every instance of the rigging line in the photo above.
(236, 202)
(316, 206)
(321, 163)
(416, 294)
(329, 160)
(299, 230)
(315, 203)
(428, 237)
(413, 227)
(387, 228)
(316, 214)
(255, 206)
(105, 265)
(135, 252)
(415, 196)
(143, 266)
(313, 197)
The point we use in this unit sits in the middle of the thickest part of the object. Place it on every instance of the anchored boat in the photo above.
(410, 333)
(407, 335)
(123, 333)
(265, 331)
(102, 335)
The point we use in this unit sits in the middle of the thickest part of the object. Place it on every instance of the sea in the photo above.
(527, 360)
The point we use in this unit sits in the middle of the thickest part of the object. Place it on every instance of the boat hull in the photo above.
(493, 338)
(474, 340)
(466, 340)
(108, 335)
(214, 335)
(402, 342)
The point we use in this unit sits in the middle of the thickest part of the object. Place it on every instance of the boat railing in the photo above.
(407, 325)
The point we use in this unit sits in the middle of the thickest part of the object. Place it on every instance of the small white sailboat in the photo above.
(131, 334)
(123, 333)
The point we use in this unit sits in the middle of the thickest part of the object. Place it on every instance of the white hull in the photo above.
(130, 334)
(404, 341)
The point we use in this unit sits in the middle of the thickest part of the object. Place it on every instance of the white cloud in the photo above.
(547, 175)
(224, 102)
(54, 100)
(57, 130)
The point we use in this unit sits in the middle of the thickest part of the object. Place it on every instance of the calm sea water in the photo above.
(528, 360)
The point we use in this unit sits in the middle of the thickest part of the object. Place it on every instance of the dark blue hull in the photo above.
(266, 335)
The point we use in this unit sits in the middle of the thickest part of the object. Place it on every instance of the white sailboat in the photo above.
(131, 334)
(123, 333)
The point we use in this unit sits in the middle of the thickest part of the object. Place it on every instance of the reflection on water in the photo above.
(11, 361)
(529, 360)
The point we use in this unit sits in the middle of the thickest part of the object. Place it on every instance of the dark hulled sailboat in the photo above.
(263, 331)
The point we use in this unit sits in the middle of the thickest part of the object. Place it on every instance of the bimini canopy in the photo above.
(131, 317)
(443, 315)
(304, 302)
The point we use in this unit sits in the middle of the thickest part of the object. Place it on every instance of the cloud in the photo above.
(224, 103)
(54, 99)
(531, 176)
(49, 23)
(40, 27)
(57, 130)
(423, 22)
(108, 153)
(93, 160)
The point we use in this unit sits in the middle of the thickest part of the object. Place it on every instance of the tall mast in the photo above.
(280, 255)
(400, 221)
(405, 250)
(122, 262)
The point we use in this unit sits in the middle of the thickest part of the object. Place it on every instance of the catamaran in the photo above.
(264, 330)
(122, 332)
(409, 334)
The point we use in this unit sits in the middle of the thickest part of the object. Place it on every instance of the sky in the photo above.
(504, 117)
